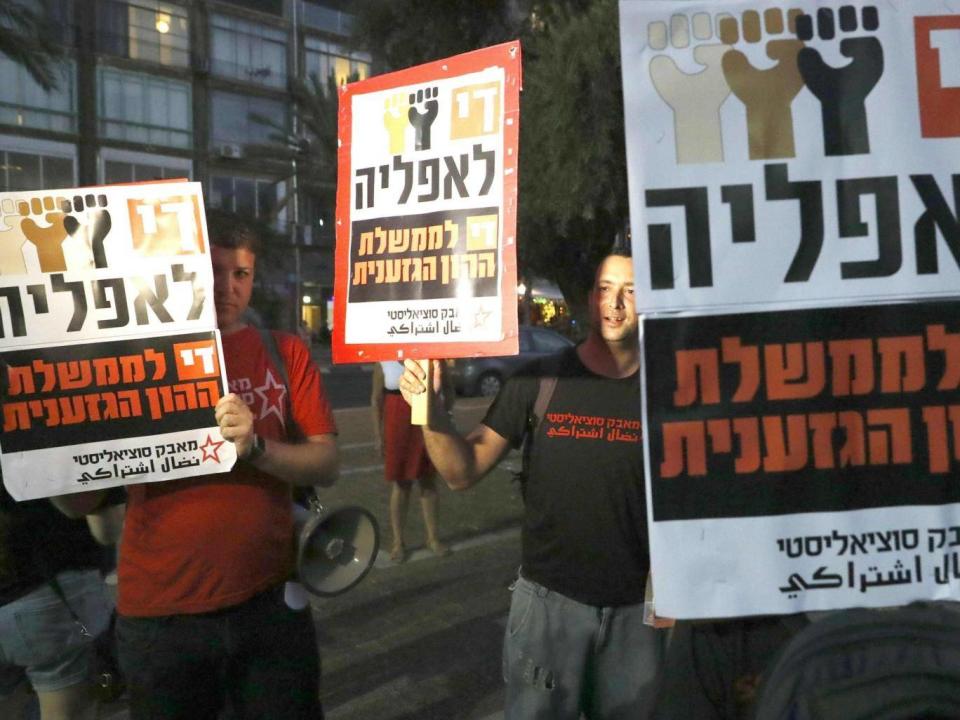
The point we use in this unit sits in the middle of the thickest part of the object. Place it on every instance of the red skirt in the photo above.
(405, 457)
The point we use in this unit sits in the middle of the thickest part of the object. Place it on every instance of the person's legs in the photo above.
(71, 703)
(626, 666)
(274, 667)
(399, 502)
(547, 644)
(428, 506)
(17, 699)
(39, 633)
(173, 665)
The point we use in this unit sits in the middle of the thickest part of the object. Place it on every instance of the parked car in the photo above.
(485, 375)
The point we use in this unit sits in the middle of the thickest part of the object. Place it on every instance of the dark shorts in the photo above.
(258, 659)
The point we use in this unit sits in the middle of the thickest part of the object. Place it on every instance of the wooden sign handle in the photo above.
(420, 407)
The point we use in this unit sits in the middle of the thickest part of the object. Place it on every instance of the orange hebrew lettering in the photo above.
(854, 449)
(684, 447)
(794, 371)
(852, 362)
(786, 452)
(748, 358)
(902, 366)
(698, 377)
(892, 442)
(949, 344)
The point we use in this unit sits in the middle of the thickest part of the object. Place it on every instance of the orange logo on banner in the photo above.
(482, 232)
(475, 111)
(196, 360)
(166, 226)
(936, 41)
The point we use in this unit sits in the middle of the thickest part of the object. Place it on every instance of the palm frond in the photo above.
(28, 38)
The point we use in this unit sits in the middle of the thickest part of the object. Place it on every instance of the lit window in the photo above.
(145, 30)
(323, 59)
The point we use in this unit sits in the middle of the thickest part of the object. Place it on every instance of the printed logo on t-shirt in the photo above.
(265, 399)
(592, 427)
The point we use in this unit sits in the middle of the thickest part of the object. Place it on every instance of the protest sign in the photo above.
(108, 333)
(793, 172)
(426, 210)
(777, 157)
(789, 448)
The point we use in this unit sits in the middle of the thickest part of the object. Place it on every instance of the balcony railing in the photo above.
(327, 19)
(145, 133)
(263, 75)
(121, 45)
(37, 118)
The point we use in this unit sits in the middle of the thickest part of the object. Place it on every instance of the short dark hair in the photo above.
(621, 247)
(228, 230)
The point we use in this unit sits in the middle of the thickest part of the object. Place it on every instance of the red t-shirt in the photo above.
(206, 543)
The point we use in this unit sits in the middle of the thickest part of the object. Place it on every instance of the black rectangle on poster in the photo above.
(822, 410)
(447, 254)
(98, 392)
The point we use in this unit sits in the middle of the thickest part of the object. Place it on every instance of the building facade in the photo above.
(155, 89)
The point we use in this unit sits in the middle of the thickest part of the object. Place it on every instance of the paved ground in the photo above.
(420, 640)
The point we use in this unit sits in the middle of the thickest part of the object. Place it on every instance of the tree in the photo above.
(573, 184)
(314, 147)
(573, 187)
(310, 157)
(28, 38)
(402, 33)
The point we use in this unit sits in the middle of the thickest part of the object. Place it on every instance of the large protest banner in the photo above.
(107, 330)
(426, 210)
(795, 189)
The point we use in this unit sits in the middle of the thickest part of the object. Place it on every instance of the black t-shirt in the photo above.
(37, 541)
(585, 523)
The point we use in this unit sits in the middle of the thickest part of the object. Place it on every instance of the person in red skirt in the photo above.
(404, 457)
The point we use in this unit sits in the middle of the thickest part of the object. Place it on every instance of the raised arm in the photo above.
(313, 462)
(460, 461)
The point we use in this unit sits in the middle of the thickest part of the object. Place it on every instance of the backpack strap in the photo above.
(270, 345)
(306, 494)
(544, 394)
(546, 386)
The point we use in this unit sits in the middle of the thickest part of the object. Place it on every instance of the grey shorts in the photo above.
(40, 639)
(563, 659)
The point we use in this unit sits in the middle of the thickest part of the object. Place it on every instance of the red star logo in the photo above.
(271, 392)
(480, 317)
(211, 449)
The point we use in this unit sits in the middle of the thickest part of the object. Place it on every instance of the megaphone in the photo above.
(335, 550)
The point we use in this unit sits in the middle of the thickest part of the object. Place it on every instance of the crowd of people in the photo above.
(203, 626)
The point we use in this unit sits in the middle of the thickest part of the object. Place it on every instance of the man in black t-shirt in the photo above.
(575, 640)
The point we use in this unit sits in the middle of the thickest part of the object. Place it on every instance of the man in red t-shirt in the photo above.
(202, 622)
